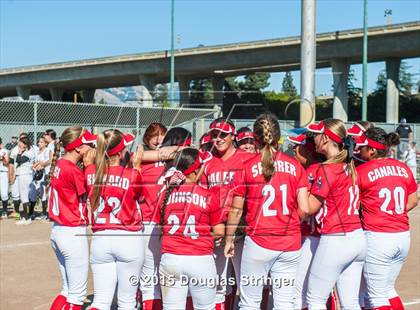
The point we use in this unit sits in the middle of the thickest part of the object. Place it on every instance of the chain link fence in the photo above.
(34, 117)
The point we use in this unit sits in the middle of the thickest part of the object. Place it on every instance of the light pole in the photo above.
(365, 42)
(172, 91)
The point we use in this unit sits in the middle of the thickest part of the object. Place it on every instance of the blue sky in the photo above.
(37, 32)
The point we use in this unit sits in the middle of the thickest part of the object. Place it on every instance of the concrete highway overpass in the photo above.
(338, 50)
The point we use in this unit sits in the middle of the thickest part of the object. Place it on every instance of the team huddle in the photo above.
(173, 224)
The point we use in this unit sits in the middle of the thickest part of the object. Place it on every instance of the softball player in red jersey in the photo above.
(117, 250)
(67, 209)
(274, 186)
(151, 172)
(191, 218)
(334, 196)
(304, 150)
(388, 191)
(221, 172)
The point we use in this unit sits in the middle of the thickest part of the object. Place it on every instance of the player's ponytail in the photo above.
(68, 136)
(345, 154)
(174, 176)
(267, 134)
(106, 140)
(379, 135)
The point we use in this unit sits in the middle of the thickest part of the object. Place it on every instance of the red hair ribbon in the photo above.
(86, 138)
(365, 141)
(321, 128)
(125, 141)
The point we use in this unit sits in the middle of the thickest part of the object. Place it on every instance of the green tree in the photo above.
(201, 92)
(287, 85)
(406, 79)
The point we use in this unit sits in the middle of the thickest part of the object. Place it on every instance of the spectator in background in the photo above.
(4, 179)
(410, 158)
(153, 136)
(38, 185)
(406, 136)
(23, 171)
(13, 142)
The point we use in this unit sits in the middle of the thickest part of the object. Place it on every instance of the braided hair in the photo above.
(267, 134)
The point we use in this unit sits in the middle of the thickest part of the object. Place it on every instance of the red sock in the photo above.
(331, 302)
(265, 298)
(220, 306)
(230, 301)
(69, 306)
(396, 303)
(190, 305)
(152, 304)
(383, 308)
(58, 302)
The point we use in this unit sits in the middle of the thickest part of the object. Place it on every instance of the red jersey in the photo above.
(190, 213)
(272, 217)
(222, 173)
(118, 206)
(340, 210)
(385, 185)
(151, 172)
(67, 196)
(309, 226)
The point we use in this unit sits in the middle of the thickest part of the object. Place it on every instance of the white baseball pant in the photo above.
(149, 286)
(386, 254)
(222, 265)
(116, 258)
(4, 185)
(182, 273)
(309, 246)
(257, 263)
(14, 188)
(24, 181)
(70, 245)
(338, 259)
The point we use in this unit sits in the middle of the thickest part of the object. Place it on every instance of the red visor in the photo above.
(206, 139)
(356, 130)
(86, 138)
(203, 157)
(299, 139)
(320, 128)
(365, 141)
(126, 141)
(223, 127)
(245, 135)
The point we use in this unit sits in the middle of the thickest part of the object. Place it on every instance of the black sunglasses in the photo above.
(218, 134)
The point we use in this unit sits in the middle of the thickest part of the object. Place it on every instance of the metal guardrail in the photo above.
(345, 34)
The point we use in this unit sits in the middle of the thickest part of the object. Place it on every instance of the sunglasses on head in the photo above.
(218, 134)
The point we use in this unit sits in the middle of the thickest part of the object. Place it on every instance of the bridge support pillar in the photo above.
(88, 95)
(148, 82)
(56, 93)
(340, 70)
(184, 90)
(218, 82)
(392, 92)
(23, 92)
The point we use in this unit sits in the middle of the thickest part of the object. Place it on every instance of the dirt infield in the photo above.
(29, 276)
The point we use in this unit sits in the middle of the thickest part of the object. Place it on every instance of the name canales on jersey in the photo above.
(188, 197)
(387, 171)
(279, 166)
(111, 180)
